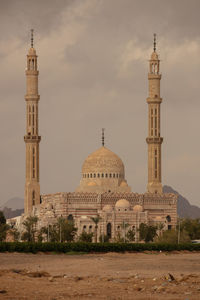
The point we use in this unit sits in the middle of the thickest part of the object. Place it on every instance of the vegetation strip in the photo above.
(93, 247)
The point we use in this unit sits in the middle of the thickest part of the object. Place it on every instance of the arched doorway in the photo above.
(70, 218)
(109, 230)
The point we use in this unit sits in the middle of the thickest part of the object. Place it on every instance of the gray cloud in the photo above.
(93, 62)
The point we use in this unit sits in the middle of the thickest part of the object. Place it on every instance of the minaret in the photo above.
(32, 139)
(154, 140)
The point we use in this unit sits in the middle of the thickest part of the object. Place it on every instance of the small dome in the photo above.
(84, 217)
(122, 203)
(91, 183)
(138, 208)
(31, 51)
(123, 183)
(154, 56)
(107, 208)
(103, 161)
(158, 218)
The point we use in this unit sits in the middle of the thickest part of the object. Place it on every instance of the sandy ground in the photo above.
(100, 276)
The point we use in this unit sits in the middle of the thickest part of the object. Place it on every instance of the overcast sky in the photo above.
(93, 62)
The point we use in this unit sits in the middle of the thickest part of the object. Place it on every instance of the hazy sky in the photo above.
(93, 62)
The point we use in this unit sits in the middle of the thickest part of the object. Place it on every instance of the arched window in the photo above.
(106, 175)
(110, 175)
(88, 175)
(84, 228)
(90, 228)
(168, 218)
(70, 218)
(33, 198)
(33, 162)
(33, 64)
(94, 175)
(109, 230)
(102, 175)
(91, 175)
(113, 175)
(98, 175)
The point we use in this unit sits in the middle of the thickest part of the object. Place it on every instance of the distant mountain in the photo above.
(185, 209)
(13, 207)
(14, 203)
(9, 213)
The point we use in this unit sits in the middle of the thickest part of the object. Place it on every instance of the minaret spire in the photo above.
(154, 140)
(32, 38)
(32, 137)
(103, 137)
(154, 42)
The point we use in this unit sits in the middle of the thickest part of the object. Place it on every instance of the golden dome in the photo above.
(122, 203)
(31, 51)
(138, 208)
(107, 208)
(154, 56)
(103, 161)
(123, 183)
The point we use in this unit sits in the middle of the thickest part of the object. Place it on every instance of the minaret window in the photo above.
(156, 164)
(106, 175)
(33, 197)
(32, 64)
(29, 115)
(91, 175)
(98, 175)
(102, 175)
(33, 162)
(94, 175)
(155, 125)
(110, 175)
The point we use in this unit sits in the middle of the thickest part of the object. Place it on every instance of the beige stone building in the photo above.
(103, 190)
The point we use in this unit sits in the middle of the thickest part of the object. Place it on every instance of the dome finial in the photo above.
(154, 42)
(103, 137)
(32, 38)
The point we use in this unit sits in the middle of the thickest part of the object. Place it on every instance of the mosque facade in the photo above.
(103, 190)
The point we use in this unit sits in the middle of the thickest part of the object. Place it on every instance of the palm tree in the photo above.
(96, 221)
(160, 227)
(124, 226)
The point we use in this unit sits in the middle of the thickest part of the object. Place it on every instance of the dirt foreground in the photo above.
(100, 276)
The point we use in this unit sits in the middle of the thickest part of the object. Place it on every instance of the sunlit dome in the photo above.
(154, 56)
(107, 208)
(103, 160)
(122, 203)
(138, 208)
(32, 51)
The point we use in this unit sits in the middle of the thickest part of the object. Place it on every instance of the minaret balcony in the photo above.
(32, 97)
(154, 140)
(32, 72)
(32, 138)
(154, 76)
(154, 99)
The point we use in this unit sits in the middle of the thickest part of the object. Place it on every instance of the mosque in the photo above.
(103, 190)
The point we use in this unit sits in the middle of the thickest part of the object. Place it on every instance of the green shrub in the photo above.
(85, 247)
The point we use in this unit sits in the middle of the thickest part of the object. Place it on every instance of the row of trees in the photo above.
(65, 231)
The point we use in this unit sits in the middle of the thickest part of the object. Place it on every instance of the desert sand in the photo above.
(100, 276)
